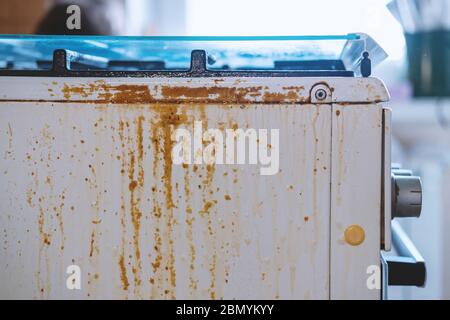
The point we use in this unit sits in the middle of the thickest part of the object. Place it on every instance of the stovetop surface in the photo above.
(334, 53)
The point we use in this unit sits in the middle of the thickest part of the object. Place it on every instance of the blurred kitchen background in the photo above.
(418, 78)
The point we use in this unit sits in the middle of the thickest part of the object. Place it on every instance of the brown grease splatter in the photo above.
(123, 94)
(127, 93)
(167, 118)
(123, 273)
(189, 232)
(122, 266)
(135, 198)
(91, 250)
(205, 212)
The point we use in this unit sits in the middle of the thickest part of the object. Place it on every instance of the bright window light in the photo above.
(296, 17)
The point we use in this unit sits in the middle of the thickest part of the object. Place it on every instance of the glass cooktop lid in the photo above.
(330, 52)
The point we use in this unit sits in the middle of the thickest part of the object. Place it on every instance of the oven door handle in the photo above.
(409, 268)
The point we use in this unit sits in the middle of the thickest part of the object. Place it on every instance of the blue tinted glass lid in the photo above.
(334, 52)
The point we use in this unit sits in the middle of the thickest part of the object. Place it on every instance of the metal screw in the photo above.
(321, 94)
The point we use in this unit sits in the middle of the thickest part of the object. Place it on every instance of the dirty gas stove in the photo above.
(200, 167)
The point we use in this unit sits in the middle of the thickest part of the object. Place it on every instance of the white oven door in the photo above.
(93, 185)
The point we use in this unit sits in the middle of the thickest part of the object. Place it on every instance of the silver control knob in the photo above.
(406, 194)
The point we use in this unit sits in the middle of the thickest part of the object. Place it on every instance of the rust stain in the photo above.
(156, 211)
(132, 185)
(189, 232)
(208, 94)
(123, 273)
(67, 91)
(125, 93)
(205, 212)
(212, 271)
(135, 218)
(162, 211)
(30, 194)
(45, 237)
(49, 206)
(122, 94)
(95, 197)
(45, 241)
(207, 205)
(140, 138)
(122, 266)
(296, 88)
(59, 215)
(9, 152)
(135, 198)
(100, 92)
(276, 97)
(91, 248)
(130, 161)
(167, 118)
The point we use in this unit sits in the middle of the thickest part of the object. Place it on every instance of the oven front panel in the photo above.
(94, 185)
(356, 198)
